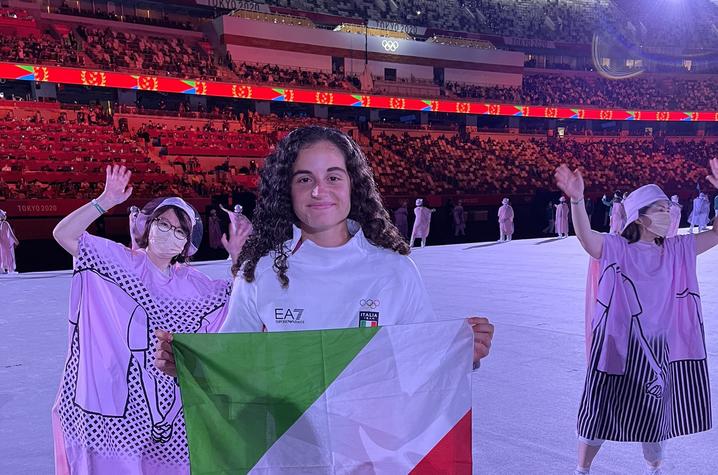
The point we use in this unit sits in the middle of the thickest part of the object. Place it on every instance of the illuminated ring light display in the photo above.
(390, 45)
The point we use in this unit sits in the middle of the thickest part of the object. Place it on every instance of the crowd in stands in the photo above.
(652, 93)
(570, 19)
(66, 156)
(422, 165)
(79, 147)
(172, 56)
(113, 50)
(210, 141)
(574, 21)
(165, 22)
(275, 123)
(44, 49)
(16, 14)
(686, 24)
(396, 174)
(273, 74)
(182, 109)
(276, 18)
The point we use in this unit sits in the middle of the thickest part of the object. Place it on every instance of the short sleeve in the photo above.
(242, 314)
(684, 248)
(687, 244)
(417, 307)
(613, 249)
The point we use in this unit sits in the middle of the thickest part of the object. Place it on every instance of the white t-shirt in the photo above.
(357, 284)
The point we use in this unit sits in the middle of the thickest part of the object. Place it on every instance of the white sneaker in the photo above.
(653, 471)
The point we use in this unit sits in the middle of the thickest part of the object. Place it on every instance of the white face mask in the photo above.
(660, 222)
(164, 244)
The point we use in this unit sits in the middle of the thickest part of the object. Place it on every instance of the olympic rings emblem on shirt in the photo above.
(390, 45)
(370, 303)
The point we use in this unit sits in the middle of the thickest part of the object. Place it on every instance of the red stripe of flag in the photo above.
(452, 455)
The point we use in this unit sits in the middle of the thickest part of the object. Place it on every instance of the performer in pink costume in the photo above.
(114, 412)
(562, 218)
(459, 219)
(675, 211)
(647, 375)
(422, 224)
(134, 211)
(401, 219)
(8, 242)
(214, 230)
(506, 221)
(618, 217)
(700, 213)
(237, 221)
(235, 212)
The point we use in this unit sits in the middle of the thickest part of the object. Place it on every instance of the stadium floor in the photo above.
(526, 393)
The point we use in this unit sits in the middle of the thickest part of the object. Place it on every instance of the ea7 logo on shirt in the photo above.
(289, 315)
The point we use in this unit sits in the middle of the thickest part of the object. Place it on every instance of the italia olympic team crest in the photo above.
(368, 314)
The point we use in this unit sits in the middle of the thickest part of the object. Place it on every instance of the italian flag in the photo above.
(375, 400)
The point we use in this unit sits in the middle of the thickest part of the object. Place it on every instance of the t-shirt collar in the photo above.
(353, 227)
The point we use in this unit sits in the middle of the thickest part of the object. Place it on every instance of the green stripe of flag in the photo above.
(242, 391)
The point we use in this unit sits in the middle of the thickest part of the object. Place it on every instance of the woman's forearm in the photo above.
(591, 241)
(68, 231)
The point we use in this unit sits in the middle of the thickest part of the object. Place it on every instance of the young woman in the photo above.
(647, 378)
(324, 253)
(114, 412)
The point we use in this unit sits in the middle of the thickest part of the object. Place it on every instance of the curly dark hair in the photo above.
(274, 215)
